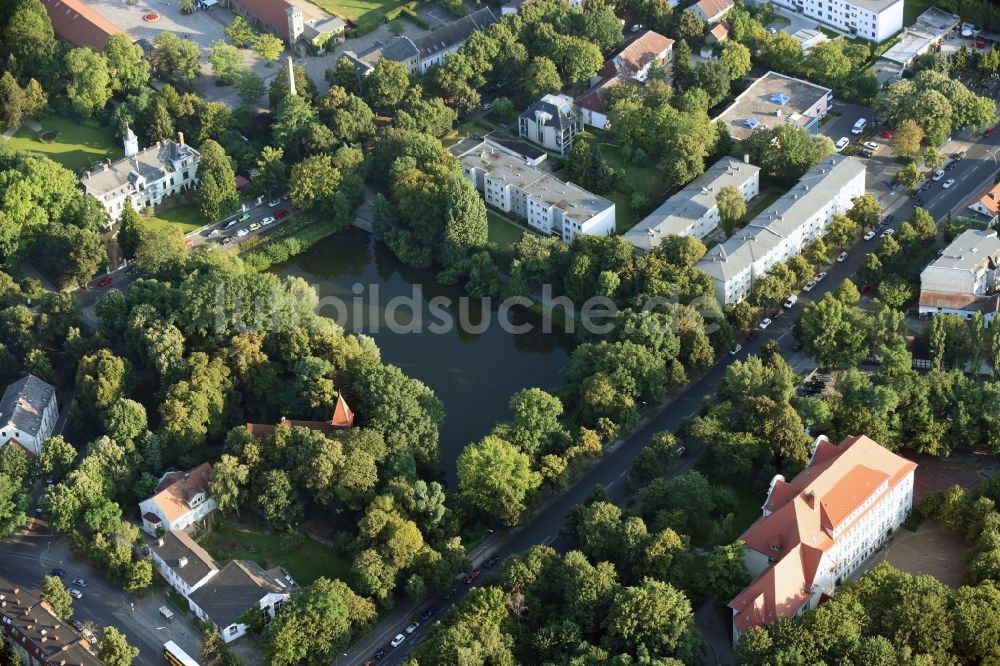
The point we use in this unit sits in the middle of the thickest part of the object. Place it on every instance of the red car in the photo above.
(980, 43)
(988, 132)
(471, 577)
(280, 213)
(885, 134)
(104, 281)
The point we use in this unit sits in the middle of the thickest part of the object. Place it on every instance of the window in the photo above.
(232, 630)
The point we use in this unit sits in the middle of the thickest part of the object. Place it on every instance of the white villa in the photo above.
(28, 413)
(181, 499)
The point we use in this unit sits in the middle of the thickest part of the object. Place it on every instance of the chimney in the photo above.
(88, 175)
(811, 499)
(746, 157)
(181, 563)
(180, 138)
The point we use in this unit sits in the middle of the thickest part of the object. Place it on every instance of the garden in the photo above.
(73, 144)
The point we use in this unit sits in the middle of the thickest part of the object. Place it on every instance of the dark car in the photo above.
(449, 594)
(379, 655)
(988, 132)
(864, 153)
(492, 562)
(888, 219)
(751, 335)
(145, 45)
(58, 572)
(428, 614)
(471, 577)
(280, 213)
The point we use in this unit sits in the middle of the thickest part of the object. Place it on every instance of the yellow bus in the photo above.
(175, 656)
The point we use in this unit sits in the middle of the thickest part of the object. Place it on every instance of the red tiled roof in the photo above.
(177, 488)
(272, 12)
(596, 97)
(950, 301)
(342, 419)
(712, 8)
(991, 200)
(78, 24)
(720, 31)
(643, 50)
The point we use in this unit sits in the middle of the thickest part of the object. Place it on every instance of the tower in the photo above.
(291, 77)
(296, 24)
(131, 142)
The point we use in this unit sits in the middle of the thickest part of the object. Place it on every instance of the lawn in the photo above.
(185, 216)
(769, 198)
(306, 562)
(367, 14)
(502, 232)
(78, 145)
(914, 8)
(644, 177)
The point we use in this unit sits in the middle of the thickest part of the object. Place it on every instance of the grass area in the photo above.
(185, 216)
(306, 561)
(914, 8)
(625, 217)
(748, 501)
(367, 14)
(77, 145)
(644, 177)
(502, 232)
(758, 208)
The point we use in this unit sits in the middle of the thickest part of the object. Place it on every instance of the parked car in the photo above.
(820, 276)
(130, 270)
(790, 302)
(280, 213)
(888, 232)
(809, 286)
(938, 175)
(449, 594)
(842, 258)
(842, 143)
(244, 217)
(988, 132)
(948, 183)
(885, 134)
(865, 153)
(75, 593)
(924, 185)
(242, 232)
(105, 281)
(471, 577)
(273, 202)
(492, 562)
(870, 145)
(428, 614)
(870, 235)
(231, 223)
(411, 627)
(77, 625)
(61, 573)
(255, 226)
(859, 126)
(80, 582)
(736, 349)
(764, 323)
(980, 42)
(266, 221)
(398, 640)
(888, 219)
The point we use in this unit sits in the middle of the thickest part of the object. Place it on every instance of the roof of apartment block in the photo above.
(773, 98)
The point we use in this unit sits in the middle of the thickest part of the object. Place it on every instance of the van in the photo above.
(792, 300)
(859, 126)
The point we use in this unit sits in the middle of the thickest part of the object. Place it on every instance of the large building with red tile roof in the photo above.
(821, 527)
(78, 24)
(637, 58)
(711, 11)
(342, 419)
(989, 203)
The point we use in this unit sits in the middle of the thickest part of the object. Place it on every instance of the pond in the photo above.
(473, 369)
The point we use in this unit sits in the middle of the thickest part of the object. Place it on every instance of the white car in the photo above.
(809, 286)
(820, 277)
(231, 223)
(410, 628)
(888, 232)
(214, 232)
(75, 593)
(870, 145)
(764, 324)
(274, 203)
(842, 143)
(948, 183)
(842, 258)
(398, 640)
(938, 175)
(242, 232)
(266, 221)
(870, 235)
(736, 349)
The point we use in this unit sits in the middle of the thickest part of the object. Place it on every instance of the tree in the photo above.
(906, 139)
(865, 211)
(217, 195)
(69, 255)
(727, 573)
(278, 501)
(496, 478)
(239, 31)
(13, 502)
(160, 249)
(226, 62)
(89, 87)
(56, 459)
(465, 223)
(690, 26)
(842, 230)
(541, 77)
(278, 90)
(251, 87)
(314, 181)
(654, 615)
(268, 47)
(732, 206)
(736, 58)
(125, 422)
(53, 593)
(910, 176)
(932, 157)
(175, 59)
(272, 171)
(786, 151)
(114, 649)
(29, 37)
(229, 477)
(127, 64)
(386, 86)
(833, 334)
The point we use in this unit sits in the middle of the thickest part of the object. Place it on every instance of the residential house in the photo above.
(693, 211)
(342, 419)
(184, 564)
(75, 22)
(34, 633)
(592, 104)
(437, 44)
(181, 499)
(28, 413)
(718, 33)
(551, 206)
(785, 227)
(636, 59)
(239, 588)
(965, 279)
(875, 20)
(398, 49)
(989, 204)
(319, 32)
(551, 122)
(711, 11)
(774, 99)
(821, 527)
(143, 177)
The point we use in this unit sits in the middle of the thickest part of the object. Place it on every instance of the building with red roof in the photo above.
(78, 24)
(820, 527)
(637, 58)
(342, 419)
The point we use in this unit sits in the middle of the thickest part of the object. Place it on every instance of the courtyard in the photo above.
(929, 551)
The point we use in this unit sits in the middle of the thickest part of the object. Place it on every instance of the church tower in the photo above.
(131, 142)
(296, 24)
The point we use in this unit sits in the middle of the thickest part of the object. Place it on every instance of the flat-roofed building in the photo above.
(965, 279)
(774, 99)
(693, 211)
(927, 32)
(785, 228)
(875, 20)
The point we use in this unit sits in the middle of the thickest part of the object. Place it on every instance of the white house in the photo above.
(145, 176)
(965, 279)
(693, 211)
(545, 202)
(821, 527)
(876, 20)
(437, 44)
(637, 58)
(711, 11)
(592, 104)
(552, 122)
(239, 587)
(184, 564)
(181, 499)
(988, 205)
(785, 228)
(28, 413)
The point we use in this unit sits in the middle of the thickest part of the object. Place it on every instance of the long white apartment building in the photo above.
(877, 20)
(965, 279)
(821, 527)
(694, 211)
(508, 183)
(785, 228)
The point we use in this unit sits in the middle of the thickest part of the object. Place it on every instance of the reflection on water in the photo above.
(473, 373)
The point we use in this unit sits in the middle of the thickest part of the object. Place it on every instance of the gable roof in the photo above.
(342, 419)
(175, 545)
(176, 489)
(23, 402)
(272, 12)
(713, 8)
(643, 50)
(991, 200)
(596, 97)
(78, 24)
(454, 33)
(237, 587)
(152, 163)
(953, 301)
(720, 31)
